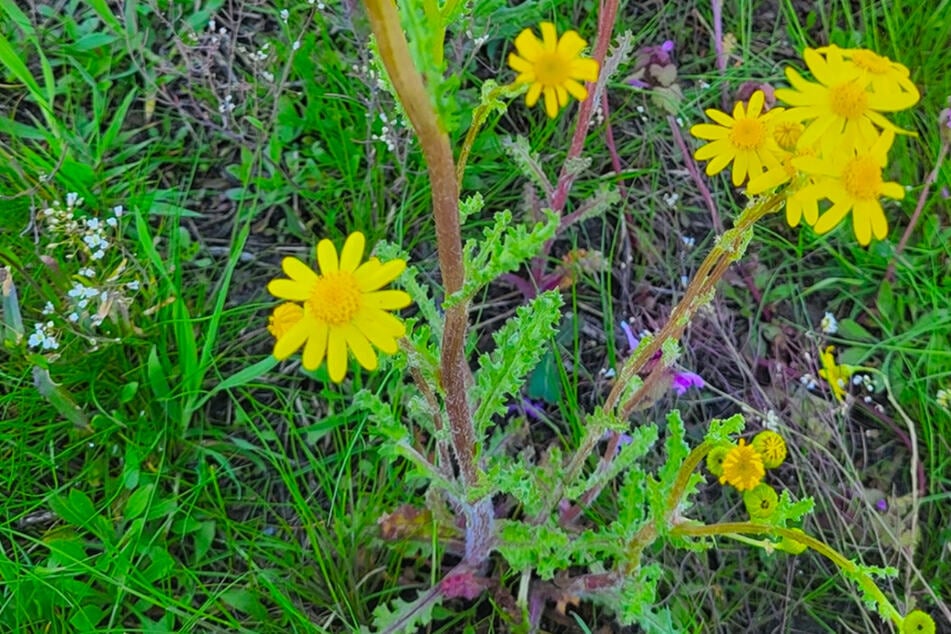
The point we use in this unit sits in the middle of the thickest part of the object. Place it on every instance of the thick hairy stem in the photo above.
(408, 83)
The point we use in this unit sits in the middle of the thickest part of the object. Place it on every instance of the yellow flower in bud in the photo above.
(760, 501)
(792, 546)
(284, 318)
(918, 622)
(715, 459)
(771, 447)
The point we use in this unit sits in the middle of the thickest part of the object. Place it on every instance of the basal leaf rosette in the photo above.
(339, 310)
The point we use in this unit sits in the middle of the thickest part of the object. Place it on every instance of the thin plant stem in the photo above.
(848, 567)
(929, 181)
(728, 248)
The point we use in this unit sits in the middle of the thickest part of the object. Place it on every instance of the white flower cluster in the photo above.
(43, 337)
(95, 294)
(94, 236)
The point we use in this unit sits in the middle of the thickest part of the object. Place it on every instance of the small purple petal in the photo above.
(632, 341)
(683, 381)
(667, 46)
(882, 505)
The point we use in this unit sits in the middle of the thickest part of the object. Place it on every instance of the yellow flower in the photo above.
(342, 308)
(745, 139)
(917, 622)
(836, 376)
(887, 77)
(552, 66)
(760, 501)
(841, 108)
(771, 447)
(715, 459)
(742, 467)
(852, 180)
(284, 317)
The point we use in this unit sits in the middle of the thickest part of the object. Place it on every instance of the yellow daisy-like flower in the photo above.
(918, 622)
(841, 108)
(742, 467)
(552, 66)
(745, 140)
(342, 308)
(837, 376)
(852, 180)
(771, 447)
(760, 501)
(887, 77)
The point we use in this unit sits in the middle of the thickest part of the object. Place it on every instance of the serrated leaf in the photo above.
(404, 616)
(520, 343)
(503, 249)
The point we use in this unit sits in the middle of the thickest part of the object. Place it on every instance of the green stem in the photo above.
(849, 568)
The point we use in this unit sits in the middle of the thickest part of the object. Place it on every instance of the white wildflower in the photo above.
(829, 324)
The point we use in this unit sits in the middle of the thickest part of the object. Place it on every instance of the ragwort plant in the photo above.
(821, 158)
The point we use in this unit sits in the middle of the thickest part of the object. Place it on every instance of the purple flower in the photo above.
(683, 381)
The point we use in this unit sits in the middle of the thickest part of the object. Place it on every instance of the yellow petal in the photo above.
(863, 228)
(352, 252)
(375, 322)
(551, 102)
(756, 104)
(298, 271)
(534, 91)
(336, 355)
(360, 347)
(527, 45)
(327, 257)
(372, 277)
(571, 44)
(549, 36)
(316, 346)
(387, 300)
(294, 339)
(586, 69)
(288, 289)
(520, 64)
(828, 221)
(576, 90)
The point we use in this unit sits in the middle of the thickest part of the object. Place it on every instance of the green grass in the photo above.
(172, 479)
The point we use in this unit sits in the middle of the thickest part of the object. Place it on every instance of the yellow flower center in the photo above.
(872, 62)
(748, 134)
(862, 178)
(849, 100)
(335, 298)
(550, 69)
